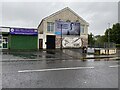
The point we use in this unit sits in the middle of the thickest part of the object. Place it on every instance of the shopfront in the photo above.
(23, 39)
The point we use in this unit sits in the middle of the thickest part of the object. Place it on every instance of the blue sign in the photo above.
(58, 33)
(23, 31)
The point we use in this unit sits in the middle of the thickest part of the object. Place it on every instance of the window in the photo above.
(82, 29)
(50, 27)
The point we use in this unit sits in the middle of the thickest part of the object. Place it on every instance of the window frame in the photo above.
(51, 26)
(82, 29)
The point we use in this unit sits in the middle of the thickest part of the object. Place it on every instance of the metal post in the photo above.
(108, 37)
(61, 37)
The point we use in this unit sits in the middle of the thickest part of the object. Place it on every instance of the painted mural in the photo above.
(84, 42)
(68, 42)
(71, 42)
(58, 41)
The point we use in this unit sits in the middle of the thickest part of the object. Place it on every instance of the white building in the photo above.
(74, 30)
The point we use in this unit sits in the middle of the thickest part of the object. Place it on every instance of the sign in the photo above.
(23, 31)
(68, 28)
(4, 29)
(58, 33)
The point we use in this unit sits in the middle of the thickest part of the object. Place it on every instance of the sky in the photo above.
(29, 14)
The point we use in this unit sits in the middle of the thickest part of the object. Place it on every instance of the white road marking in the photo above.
(55, 69)
(70, 60)
(114, 66)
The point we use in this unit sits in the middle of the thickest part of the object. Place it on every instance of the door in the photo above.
(5, 43)
(40, 43)
(50, 42)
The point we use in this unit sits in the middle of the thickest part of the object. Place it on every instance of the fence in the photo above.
(103, 45)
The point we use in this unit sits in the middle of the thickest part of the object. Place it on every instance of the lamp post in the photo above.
(108, 35)
(61, 36)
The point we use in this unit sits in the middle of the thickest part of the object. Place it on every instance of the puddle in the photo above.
(50, 57)
(19, 55)
(90, 55)
(50, 52)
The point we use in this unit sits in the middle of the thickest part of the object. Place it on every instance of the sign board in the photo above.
(68, 28)
(23, 31)
(4, 29)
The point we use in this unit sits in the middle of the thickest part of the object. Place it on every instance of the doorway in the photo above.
(5, 43)
(40, 43)
(50, 42)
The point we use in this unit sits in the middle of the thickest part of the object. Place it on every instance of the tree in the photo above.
(107, 33)
(114, 33)
(91, 39)
(99, 39)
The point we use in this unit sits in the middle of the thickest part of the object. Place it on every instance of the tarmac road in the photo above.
(65, 72)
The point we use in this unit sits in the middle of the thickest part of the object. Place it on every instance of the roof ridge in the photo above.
(59, 11)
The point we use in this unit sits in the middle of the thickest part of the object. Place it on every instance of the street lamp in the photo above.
(108, 35)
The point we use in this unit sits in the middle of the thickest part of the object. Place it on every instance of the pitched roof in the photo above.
(66, 8)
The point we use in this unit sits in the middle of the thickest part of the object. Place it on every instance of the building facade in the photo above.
(18, 38)
(63, 29)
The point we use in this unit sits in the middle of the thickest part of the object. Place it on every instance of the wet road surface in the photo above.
(58, 71)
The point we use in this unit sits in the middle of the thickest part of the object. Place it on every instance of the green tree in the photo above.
(107, 33)
(99, 39)
(114, 33)
(91, 39)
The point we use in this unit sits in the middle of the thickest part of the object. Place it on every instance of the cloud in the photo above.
(29, 14)
(0, 12)
(98, 14)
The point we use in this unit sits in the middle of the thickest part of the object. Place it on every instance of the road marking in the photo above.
(70, 60)
(114, 66)
(55, 69)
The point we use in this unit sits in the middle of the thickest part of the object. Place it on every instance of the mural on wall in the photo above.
(84, 42)
(68, 42)
(58, 41)
(71, 42)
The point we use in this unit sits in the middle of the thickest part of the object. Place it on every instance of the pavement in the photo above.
(65, 54)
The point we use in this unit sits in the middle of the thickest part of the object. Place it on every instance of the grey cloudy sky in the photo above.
(29, 14)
